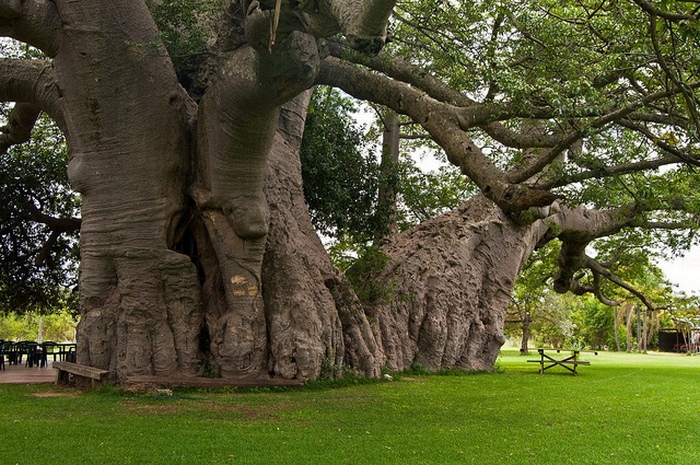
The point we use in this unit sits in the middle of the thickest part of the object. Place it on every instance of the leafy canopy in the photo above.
(38, 270)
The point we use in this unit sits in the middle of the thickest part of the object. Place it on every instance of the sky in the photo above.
(684, 271)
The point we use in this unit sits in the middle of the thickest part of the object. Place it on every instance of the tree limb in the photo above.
(472, 113)
(442, 123)
(686, 91)
(19, 126)
(650, 9)
(578, 288)
(661, 144)
(31, 82)
(605, 171)
(522, 173)
(33, 22)
(59, 225)
(576, 229)
(612, 277)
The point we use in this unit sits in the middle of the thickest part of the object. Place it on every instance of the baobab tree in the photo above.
(196, 245)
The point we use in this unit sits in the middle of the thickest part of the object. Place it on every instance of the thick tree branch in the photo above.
(31, 82)
(437, 118)
(650, 9)
(597, 268)
(576, 229)
(364, 22)
(442, 123)
(59, 225)
(524, 172)
(19, 126)
(598, 291)
(470, 112)
(35, 22)
(579, 288)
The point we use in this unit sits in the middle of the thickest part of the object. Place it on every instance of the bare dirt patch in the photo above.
(242, 411)
(46, 394)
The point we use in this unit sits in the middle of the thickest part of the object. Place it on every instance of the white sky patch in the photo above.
(684, 272)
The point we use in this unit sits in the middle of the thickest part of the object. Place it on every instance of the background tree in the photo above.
(341, 178)
(38, 236)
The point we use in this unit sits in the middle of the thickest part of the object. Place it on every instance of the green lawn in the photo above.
(624, 409)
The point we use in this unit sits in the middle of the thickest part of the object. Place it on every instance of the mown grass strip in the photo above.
(623, 409)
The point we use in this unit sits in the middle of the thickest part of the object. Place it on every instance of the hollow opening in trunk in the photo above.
(188, 246)
(209, 368)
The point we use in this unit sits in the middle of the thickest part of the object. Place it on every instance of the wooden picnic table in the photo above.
(570, 363)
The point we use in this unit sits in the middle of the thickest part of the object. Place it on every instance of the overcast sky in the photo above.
(685, 271)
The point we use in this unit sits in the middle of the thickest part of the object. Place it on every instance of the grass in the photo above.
(624, 409)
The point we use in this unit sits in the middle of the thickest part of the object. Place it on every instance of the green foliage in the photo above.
(425, 195)
(33, 179)
(579, 59)
(362, 275)
(420, 419)
(341, 180)
(595, 325)
(568, 320)
(184, 27)
(58, 326)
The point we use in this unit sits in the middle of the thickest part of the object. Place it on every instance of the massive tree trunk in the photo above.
(175, 226)
(315, 320)
(438, 302)
(447, 285)
(129, 152)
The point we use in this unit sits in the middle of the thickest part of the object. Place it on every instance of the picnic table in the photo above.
(570, 363)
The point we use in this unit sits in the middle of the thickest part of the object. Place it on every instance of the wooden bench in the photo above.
(65, 369)
(570, 363)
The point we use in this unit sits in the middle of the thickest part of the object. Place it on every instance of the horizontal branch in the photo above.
(30, 82)
(19, 125)
(36, 23)
(59, 225)
(612, 277)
